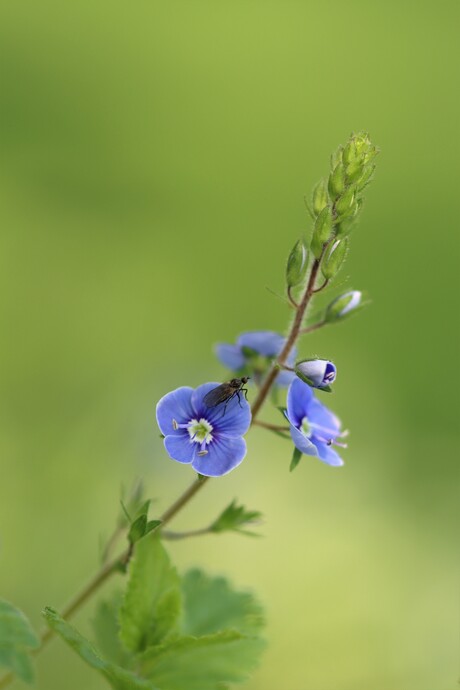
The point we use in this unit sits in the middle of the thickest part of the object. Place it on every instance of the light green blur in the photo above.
(154, 159)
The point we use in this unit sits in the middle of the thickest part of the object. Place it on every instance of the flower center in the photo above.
(305, 427)
(200, 431)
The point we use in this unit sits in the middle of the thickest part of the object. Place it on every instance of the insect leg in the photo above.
(237, 393)
(227, 401)
(245, 391)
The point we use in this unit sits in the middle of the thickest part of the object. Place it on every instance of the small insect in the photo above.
(226, 392)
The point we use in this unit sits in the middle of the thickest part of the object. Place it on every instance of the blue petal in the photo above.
(175, 405)
(230, 356)
(266, 343)
(224, 454)
(328, 455)
(180, 447)
(299, 398)
(284, 378)
(230, 420)
(302, 442)
(324, 422)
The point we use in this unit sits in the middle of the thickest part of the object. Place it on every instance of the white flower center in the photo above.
(200, 431)
(305, 427)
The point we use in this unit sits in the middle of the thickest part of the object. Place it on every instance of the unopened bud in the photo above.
(318, 373)
(353, 171)
(336, 183)
(334, 257)
(365, 177)
(336, 157)
(344, 305)
(322, 231)
(345, 202)
(320, 197)
(297, 264)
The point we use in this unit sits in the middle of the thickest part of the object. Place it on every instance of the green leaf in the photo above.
(16, 637)
(203, 663)
(119, 678)
(152, 602)
(296, 455)
(137, 529)
(152, 525)
(233, 518)
(210, 605)
(107, 631)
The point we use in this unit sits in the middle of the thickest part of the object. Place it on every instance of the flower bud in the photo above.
(350, 153)
(297, 264)
(322, 231)
(345, 202)
(336, 157)
(318, 373)
(344, 305)
(320, 197)
(336, 183)
(353, 171)
(365, 177)
(334, 257)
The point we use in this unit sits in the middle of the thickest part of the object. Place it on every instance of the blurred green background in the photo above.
(154, 158)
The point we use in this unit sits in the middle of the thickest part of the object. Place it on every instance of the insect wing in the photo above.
(218, 395)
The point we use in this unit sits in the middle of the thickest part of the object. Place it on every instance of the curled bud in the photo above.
(322, 231)
(318, 373)
(333, 258)
(344, 305)
(297, 264)
(320, 197)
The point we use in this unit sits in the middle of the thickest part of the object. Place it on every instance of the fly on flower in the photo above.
(226, 392)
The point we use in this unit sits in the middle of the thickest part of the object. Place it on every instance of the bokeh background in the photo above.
(154, 159)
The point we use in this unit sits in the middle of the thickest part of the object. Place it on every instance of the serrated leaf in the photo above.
(119, 678)
(107, 631)
(296, 455)
(203, 663)
(210, 605)
(152, 602)
(16, 637)
(233, 518)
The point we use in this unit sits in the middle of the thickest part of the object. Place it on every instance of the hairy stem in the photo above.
(119, 563)
(290, 341)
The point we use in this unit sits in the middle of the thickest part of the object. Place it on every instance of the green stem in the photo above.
(120, 562)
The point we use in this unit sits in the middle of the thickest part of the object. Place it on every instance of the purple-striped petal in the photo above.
(175, 405)
(323, 422)
(224, 454)
(180, 447)
(328, 455)
(302, 442)
(231, 419)
(299, 398)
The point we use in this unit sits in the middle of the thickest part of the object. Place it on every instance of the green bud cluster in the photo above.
(337, 200)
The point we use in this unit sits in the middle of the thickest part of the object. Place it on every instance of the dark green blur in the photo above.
(154, 159)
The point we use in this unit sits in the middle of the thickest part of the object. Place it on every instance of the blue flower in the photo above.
(253, 352)
(203, 436)
(314, 428)
(318, 373)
